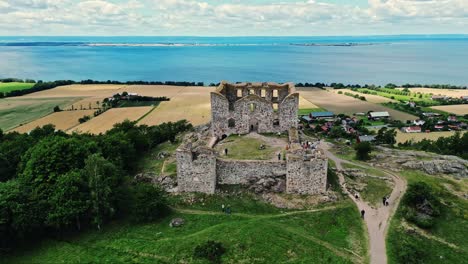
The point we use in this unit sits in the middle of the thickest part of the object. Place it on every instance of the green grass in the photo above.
(308, 110)
(246, 148)
(387, 93)
(333, 235)
(17, 111)
(450, 227)
(13, 86)
(151, 162)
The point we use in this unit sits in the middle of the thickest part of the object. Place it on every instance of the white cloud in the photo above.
(192, 17)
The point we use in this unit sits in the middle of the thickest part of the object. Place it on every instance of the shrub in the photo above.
(210, 250)
(421, 205)
(149, 203)
(57, 109)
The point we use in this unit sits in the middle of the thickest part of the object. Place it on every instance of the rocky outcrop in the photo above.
(276, 184)
(429, 163)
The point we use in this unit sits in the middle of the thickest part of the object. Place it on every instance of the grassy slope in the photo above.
(13, 86)
(11, 117)
(446, 242)
(333, 235)
(306, 111)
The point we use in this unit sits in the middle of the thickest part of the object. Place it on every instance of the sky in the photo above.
(232, 17)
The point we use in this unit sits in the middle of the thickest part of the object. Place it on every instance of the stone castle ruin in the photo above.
(251, 108)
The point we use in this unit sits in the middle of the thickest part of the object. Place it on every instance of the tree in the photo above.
(102, 178)
(363, 150)
(210, 250)
(149, 202)
(69, 201)
(57, 109)
(386, 136)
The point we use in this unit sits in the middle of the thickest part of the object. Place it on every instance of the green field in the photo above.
(446, 241)
(333, 234)
(17, 111)
(390, 93)
(13, 86)
(308, 110)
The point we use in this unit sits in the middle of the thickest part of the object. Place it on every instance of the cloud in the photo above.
(194, 17)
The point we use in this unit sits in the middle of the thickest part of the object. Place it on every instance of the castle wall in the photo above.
(239, 171)
(196, 172)
(306, 176)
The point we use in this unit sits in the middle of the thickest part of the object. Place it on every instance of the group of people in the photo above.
(307, 145)
(226, 209)
(385, 201)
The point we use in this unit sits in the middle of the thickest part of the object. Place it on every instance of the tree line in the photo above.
(456, 145)
(53, 184)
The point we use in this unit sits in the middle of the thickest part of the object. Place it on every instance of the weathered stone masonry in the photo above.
(245, 108)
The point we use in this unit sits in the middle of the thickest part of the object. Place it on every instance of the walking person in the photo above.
(225, 152)
(222, 208)
(228, 210)
(384, 200)
(279, 156)
(363, 213)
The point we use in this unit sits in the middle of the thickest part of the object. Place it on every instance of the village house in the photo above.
(419, 122)
(411, 129)
(452, 118)
(365, 138)
(321, 115)
(439, 97)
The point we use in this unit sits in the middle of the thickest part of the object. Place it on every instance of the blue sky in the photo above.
(233, 17)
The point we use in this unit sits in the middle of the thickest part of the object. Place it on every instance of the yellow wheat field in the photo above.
(454, 109)
(61, 120)
(304, 104)
(447, 92)
(79, 90)
(416, 137)
(339, 103)
(106, 121)
(190, 103)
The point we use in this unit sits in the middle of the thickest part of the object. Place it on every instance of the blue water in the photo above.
(440, 59)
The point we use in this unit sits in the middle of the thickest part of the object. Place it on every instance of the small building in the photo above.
(452, 118)
(439, 97)
(464, 98)
(419, 122)
(412, 104)
(306, 118)
(438, 127)
(365, 138)
(379, 115)
(360, 114)
(321, 115)
(430, 114)
(412, 129)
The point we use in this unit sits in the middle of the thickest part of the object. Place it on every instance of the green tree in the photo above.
(386, 136)
(363, 150)
(102, 178)
(149, 203)
(69, 201)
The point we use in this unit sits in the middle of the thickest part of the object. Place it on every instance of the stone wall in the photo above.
(306, 176)
(240, 171)
(196, 171)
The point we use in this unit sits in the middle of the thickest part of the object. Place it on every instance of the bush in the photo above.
(57, 109)
(421, 205)
(149, 203)
(210, 250)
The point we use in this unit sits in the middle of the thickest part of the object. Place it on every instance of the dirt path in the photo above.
(376, 219)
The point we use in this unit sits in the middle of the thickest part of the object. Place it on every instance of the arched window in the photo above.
(263, 93)
(251, 91)
(276, 122)
(231, 123)
(252, 107)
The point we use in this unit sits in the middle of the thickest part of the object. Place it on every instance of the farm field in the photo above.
(447, 92)
(19, 110)
(79, 90)
(106, 121)
(339, 103)
(454, 109)
(376, 99)
(402, 137)
(61, 120)
(190, 103)
(12, 86)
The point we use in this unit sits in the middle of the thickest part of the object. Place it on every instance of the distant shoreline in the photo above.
(56, 44)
